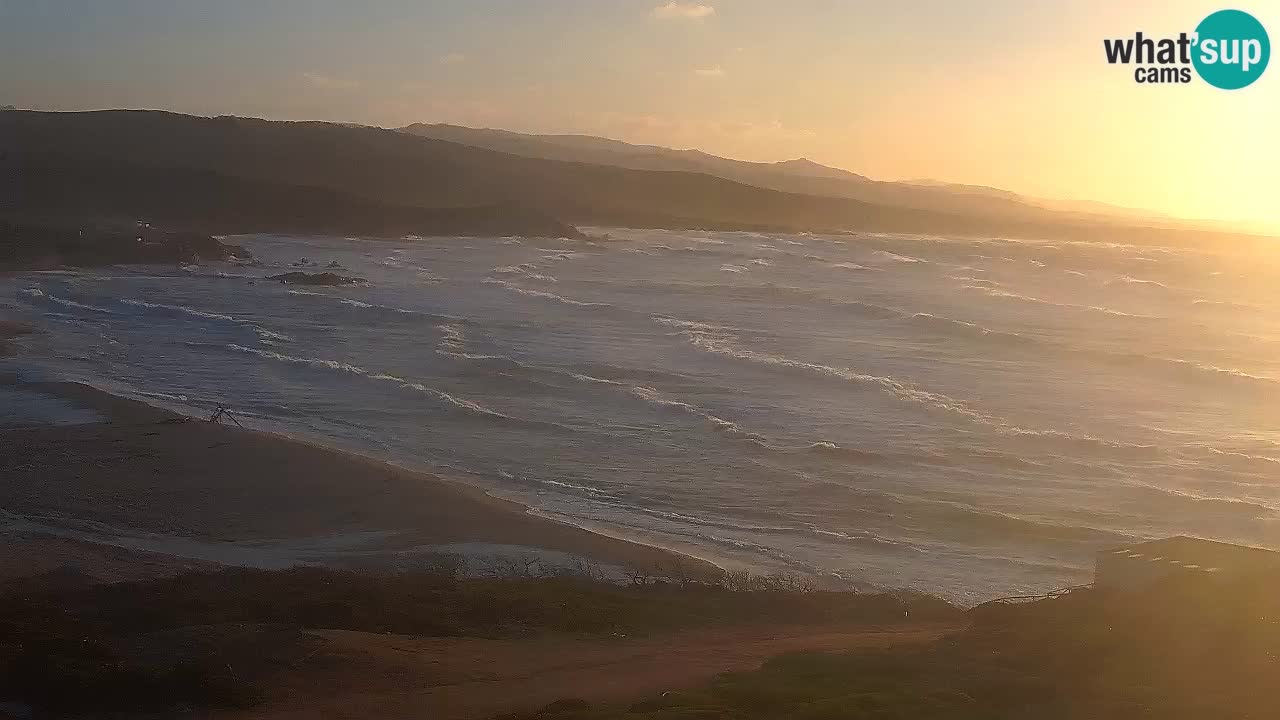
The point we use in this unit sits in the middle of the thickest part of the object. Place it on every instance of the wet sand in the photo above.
(10, 329)
(116, 497)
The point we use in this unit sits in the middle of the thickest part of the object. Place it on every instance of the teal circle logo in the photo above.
(1232, 49)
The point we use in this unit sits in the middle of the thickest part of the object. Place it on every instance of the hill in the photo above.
(115, 190)
(399, 169)
(800, 175)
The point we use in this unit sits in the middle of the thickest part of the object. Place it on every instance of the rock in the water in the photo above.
(324, 278)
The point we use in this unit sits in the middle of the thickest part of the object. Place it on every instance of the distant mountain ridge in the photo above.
(300, 173)
(800, 175)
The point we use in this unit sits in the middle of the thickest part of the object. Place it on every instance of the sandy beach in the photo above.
(144, 491)
(10, 329)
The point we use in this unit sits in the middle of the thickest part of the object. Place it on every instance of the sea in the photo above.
(974, 418)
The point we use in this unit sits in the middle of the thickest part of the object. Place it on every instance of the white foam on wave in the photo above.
(849, 266)
(543, 294)
(726, 426)
(894, 257)
(1129, 280)
(1230, 373)
(441, 395)
(525, 270)
(266, 335)
(728, 267)
(720, 345)
(686, 324)
(363, 305)
(38, 293)
(180, 308)
(452, 337)
(999, 293)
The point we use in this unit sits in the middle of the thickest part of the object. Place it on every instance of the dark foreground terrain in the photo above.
(320, 643)
(308, 641)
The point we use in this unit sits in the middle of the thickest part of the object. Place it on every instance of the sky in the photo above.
(1015, 94)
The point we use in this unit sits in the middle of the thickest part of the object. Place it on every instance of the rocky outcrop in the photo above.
(41, 246)
(324, 278)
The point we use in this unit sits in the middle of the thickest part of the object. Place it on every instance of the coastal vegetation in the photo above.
(43, 246)
(1178, 649)
(211, 639)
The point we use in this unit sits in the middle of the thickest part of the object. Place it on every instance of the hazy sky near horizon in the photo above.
(1014, 94)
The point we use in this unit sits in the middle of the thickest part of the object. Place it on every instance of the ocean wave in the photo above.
(559, 255)
(180, 309)
(162, 396)
(951, 457)
(529, 292)
(900, 390)
(592, 491)
(270, 336)
(906, 392)
(452, 337)
(870, 310)
(1227, 305)
(967, 329)
(686, 324)
(1188, 370)
(1059, 441)
(725, 426)
(444, 397)
(830, 449)
(850, 266)
(727, 267)
(263, 333)
(961, 518)
(1234, 506)
(374, 306)
(894, 257)
(38, 294)
(996, 292)
(1239, 461)
(527, 270)
(1128, 280)
(737, 525)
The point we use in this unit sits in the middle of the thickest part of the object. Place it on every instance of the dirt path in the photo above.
(360, 675)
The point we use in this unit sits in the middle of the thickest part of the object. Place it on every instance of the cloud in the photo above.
(327, 82)
(683, 11)
(716, 71)
(452, 59)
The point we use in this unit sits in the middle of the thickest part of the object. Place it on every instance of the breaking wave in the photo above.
(442, 396)
(529, 292)
(38, 294)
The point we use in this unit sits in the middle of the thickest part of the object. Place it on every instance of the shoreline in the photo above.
(167, 486)
(11, 330)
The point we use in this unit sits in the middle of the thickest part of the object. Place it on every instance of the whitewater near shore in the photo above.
(969, 417)
(117, 489)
